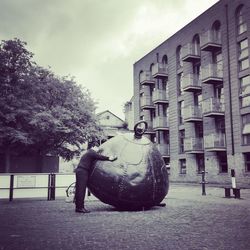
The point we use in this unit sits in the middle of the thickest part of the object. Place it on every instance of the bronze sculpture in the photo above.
(137, 179)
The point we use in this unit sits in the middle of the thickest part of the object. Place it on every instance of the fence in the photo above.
(27, 185)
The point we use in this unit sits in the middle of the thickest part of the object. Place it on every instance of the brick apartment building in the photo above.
(193, 90)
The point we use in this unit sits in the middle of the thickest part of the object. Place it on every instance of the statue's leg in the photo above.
(81, 184)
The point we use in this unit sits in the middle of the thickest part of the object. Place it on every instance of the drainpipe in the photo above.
(229, 81)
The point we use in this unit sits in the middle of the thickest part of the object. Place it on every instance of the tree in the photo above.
(41, 113)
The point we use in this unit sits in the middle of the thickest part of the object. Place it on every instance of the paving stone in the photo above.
(189, 221)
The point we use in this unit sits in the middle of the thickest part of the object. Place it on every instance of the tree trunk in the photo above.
(7, 160)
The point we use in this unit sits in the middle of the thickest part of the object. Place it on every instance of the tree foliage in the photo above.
(40, 112)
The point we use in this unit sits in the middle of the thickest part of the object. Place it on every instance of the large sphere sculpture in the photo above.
(137, 179)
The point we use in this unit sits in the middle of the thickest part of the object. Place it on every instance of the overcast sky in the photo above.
(97, 41)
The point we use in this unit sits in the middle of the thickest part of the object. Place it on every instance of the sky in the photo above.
(96, 41)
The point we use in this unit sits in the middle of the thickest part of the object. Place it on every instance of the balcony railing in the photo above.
(190, 53)
(146, 102)
(215, 142)
(159, 70)
(192, 113)
(193, 145)
(150, 127)
(160, 96)
(160, 123)
(213, 107)
(164, 149)
(191, 82)
(212, 73)
(146, 78)
(210, 41)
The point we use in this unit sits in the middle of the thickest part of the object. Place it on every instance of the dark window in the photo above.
(179, 57)
(200, 163)
(222, 157)
(199, 130)
(183, 169)
(247, 161)
(181, 112)
(181, 141)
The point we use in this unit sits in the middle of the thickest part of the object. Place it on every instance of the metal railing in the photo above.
(34, 185)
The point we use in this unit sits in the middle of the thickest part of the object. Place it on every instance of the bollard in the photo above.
(11, 187)
(53, 186)
(203, 183)
(49, 193)
(233, 178)
(227, 192)
(236, 193)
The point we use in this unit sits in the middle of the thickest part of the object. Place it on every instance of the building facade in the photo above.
(193, 90)
(129, 113)
(111, 124)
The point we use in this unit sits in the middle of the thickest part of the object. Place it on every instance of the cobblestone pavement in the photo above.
(189, 221)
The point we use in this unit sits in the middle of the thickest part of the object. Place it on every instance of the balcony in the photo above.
(212, 74)
(213, 107)
(146, 102)
(190, 53)
(146, 78)
(215, 142)
(193, 145)
(160, 96)
(191, 82)
(159, 70)
(164, 149)
(192, 114)
(160, 123)
(210, 41)
(150, 127)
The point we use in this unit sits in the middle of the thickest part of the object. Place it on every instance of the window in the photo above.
(246, 129)
(152, 115)
(164, 110)
(181, 141)
(179, 57)
(240, 21)
(216, 32)
(199, 130)
(218, 62)
(200, 163)
(183, 169)
(140, 79)
(222, 157)
(220, 125)
(181, 112)
(180, 83)
(245, 85)
(243, 54)
(166, 137)
(219, 93)
(197, 99)
(247, 161)
(196, 45)
(196, 70)
(245, 101)
(165, 61)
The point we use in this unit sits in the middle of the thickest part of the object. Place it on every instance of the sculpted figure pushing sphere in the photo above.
(82, 174)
